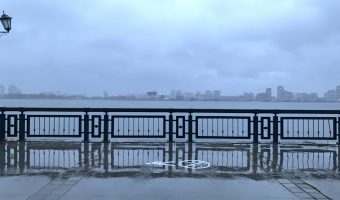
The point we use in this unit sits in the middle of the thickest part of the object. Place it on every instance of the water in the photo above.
(121, 171)
(167, 104)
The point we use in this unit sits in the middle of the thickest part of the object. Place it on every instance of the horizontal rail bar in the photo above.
(170, 110)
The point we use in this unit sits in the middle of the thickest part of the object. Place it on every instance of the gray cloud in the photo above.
(134, 46)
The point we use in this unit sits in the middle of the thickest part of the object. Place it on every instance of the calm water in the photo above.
(166, 104)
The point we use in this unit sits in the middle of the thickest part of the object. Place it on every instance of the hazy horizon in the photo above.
(88, 47)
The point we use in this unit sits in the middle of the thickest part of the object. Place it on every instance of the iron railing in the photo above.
(169, 124)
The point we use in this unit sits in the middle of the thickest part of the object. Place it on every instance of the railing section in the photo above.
(169, 124)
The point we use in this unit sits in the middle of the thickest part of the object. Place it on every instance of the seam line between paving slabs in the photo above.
(58, 187)
(294, 184)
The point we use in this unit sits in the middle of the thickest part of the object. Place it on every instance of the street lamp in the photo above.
(6, 23)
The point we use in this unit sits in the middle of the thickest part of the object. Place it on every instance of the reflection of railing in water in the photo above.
(21, 157)
(297, 159)
(292, 160)
(109, 124)
(135, 157)
(225, 159)
(44, 159)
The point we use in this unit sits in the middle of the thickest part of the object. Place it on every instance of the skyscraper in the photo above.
(2, 90)
(280, 93)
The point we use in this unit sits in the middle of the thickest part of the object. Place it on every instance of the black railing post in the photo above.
(86, 155)
(86, 127)
(275, 157)
(256, 129)
(338, 131)
(106, 157)
(276, 129)
(190, 128)
(338, 158)
(28, 157)
(2, 156)
(170, 152)
(255, 158)
(171, 127)
(106, 127)
(22, 127)
(2, 126)
(22, 156)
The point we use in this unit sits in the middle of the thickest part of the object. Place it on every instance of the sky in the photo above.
(134, 46)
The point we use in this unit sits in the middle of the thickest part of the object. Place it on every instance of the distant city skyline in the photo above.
(267, 95)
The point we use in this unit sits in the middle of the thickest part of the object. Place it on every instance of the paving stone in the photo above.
(303, 195)
(317, 195)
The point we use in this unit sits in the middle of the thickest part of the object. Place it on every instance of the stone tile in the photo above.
(303, 195)
(284, 181)
(58, 192)
(53, 197)
(317, 195)
(295, 190)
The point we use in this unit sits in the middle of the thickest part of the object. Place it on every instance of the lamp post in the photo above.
(6, 23)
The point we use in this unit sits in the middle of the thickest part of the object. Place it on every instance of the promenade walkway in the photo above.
(70, 170)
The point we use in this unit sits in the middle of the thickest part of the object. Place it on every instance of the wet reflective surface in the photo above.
(70, 170)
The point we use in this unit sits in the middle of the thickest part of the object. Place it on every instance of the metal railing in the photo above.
(168, 124)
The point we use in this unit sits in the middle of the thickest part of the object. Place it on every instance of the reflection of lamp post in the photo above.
(6, 23)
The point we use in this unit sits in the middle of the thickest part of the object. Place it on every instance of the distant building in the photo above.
(216, 95)
(2, 90)
(188, 96)
(283, 95)
(208, 95)
(330, 96)
(265, 96)
(337, 92)
(176, 95)
(280, 93)
(247, 96)
(13, 90)
(106, 95)
(152, 94)
(269, 94)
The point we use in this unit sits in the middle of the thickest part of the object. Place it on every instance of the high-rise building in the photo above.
(2, 90)
(330, 95)
(247, 96)
(283, 95)
(208, 95)
(216, 94)
(12, 90)
(269, 93)
(176, 95)
(280, 93)
(337, 92)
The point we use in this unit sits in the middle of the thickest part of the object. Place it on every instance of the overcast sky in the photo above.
(133, 46)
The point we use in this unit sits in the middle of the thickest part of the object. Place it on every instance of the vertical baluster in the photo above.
(276, 129)
(2, 126)
(338, 125)
(170, 127)
(189, 128)
(106, 127)
(86, 127)
(256, 129)
(22, 126)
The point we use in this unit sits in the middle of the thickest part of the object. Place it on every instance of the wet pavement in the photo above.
(72, 170)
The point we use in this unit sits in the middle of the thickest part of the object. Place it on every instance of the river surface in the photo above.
(167, 104)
